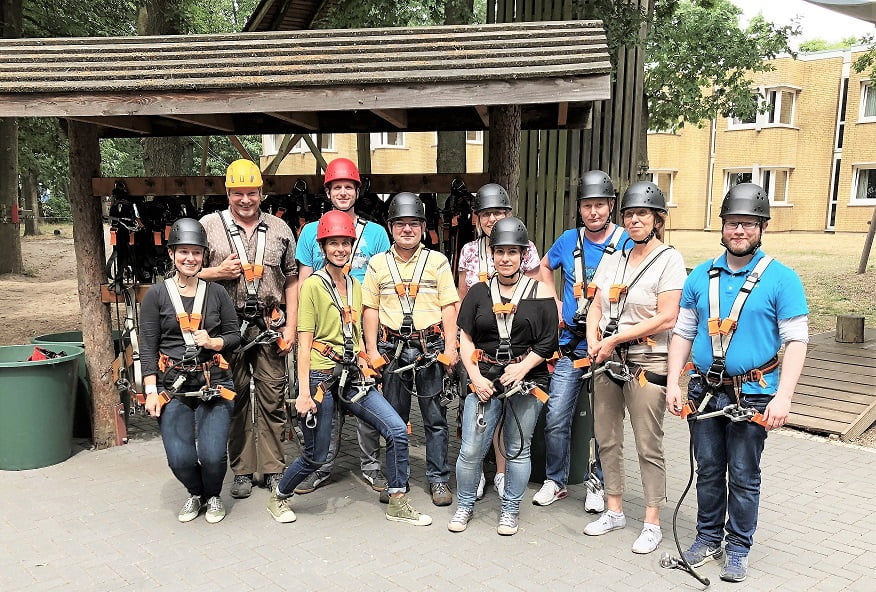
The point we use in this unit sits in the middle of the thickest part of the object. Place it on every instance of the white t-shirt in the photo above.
(666, 273)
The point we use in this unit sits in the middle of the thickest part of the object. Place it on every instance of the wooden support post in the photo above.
(90, 258)
(504, 149)
(868, 244)
(850, 329)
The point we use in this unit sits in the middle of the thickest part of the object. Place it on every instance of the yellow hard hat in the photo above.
(243, 173)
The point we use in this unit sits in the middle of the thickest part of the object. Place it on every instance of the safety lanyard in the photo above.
(505, 313)
(188, 322)
(407, 291)
(584, 297)
(131, 329)
(721, 330)
(346, 311)
(252, 272)
(617, 295)
(360, 230)
(483, 269)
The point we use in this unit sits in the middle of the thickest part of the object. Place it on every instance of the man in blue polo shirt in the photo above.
(577, 252)
(342, 183)
(735, 341)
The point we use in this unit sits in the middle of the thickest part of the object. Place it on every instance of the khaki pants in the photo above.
(257, 449)
(646, 406)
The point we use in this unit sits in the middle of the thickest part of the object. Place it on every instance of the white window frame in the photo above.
(301, 147)
(477, 137)
(867, 88)
(856, 180)
(733, 171)
(762, 120)
(768, 182)
(271, 144)
(670, 195)
(381, 140)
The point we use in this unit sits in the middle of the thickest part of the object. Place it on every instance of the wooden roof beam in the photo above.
(562, 114)
(308, 121)
(396, 117)
(484, 114)
(137, 125)
(218, 121)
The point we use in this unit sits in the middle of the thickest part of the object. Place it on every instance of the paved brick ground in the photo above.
(107, 521)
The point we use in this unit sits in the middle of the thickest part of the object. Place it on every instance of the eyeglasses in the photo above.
(497, 214)
(747, 225)
(400, 225)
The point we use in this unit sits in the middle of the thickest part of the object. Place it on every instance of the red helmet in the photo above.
(341, 168)
(335, 223)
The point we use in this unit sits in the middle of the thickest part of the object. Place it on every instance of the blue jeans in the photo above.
(373, 409)
(565, 388)
(195, 437)
(728, 472)
(526, 409)
(397, 388)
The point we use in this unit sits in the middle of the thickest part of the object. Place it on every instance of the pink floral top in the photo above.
(469, 261)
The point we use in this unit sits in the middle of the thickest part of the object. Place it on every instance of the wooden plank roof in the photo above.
(836, 393)
(286, 15)
(390, 79)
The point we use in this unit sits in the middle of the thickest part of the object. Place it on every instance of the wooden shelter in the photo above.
(514, 75)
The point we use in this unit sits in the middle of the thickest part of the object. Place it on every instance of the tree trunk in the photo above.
(170, 156)
(504, 149)
(90, 258)
(31, 200)
(10, 228)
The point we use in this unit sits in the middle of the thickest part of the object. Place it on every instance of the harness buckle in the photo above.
(406, 329)
(716, 373)
(251, 308)
(503, 352)
(610, 329)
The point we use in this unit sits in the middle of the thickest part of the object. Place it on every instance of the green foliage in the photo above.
(866, 62)
(355, 14)
(75, 18)
(218, 16)
(622, 22)
(811, 45)
(121, 157)
(220, 152)
(699, 61)
(42, 151)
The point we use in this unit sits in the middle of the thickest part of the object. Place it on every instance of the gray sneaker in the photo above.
(460, 520)
(190, 509)
(242, 486)
(313, 482)
(272, 481)
(701, 553)
(508, 524)
(215, 510)
(401, 510)
(735, 567)
(280, 508)
(441, 494)
(375, 479)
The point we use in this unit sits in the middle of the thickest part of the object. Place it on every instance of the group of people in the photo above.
(378, 322)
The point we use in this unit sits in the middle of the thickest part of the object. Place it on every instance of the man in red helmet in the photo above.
(342, 184)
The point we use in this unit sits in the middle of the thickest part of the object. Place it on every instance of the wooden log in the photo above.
(850, 329)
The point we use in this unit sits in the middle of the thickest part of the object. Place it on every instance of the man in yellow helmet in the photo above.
(252, 255)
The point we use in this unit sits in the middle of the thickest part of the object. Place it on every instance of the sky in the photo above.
(816, 22)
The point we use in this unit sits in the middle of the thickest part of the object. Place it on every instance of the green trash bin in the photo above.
(36, 406)
(84, 402)
(579, 462)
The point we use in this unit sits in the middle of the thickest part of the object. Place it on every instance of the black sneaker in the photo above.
(375, 479)
(272, 480)
(242, 486)
(313, 482)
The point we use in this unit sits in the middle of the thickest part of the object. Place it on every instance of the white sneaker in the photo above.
(460, 520)
(594, 502)
(190, 509)
(648, 540)
(548, 494)
(481, 484)
(499, 483)
(606, 523)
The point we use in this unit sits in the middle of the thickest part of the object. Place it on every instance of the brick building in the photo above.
(814, 150)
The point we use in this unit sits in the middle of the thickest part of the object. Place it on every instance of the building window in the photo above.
(664, 180)
(328, 144)
(748, 121)
(271, 144)
(865, 184)
(474, 137)
(734, 178)
(775, 182)
(782, 103)
(868, 102)
(388, 140)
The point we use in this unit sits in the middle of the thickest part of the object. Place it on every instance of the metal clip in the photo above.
(503, 352)
(480, 421)
(310, 420)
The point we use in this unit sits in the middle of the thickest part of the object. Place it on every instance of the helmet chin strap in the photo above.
(750, 250)
(501, 276)
(647, 239)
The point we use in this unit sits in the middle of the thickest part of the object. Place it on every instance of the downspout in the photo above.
(710, 174)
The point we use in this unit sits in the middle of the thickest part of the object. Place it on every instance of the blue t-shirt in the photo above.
(562, 254)
(374, 240)
(778, 295)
